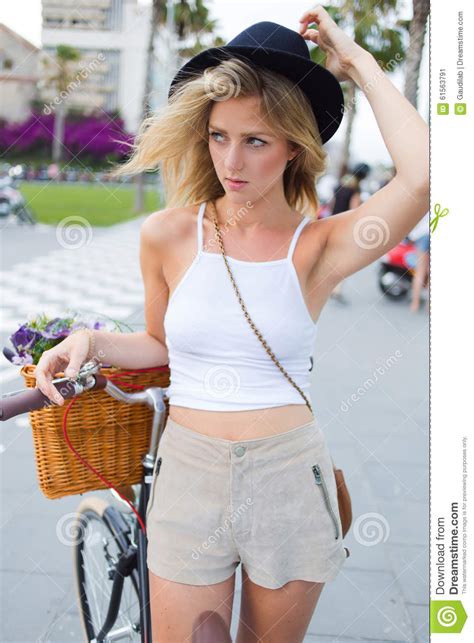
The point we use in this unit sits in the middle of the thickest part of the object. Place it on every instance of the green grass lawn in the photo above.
(100, 205)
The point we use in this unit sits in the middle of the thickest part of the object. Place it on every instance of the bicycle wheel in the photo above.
(101, 538)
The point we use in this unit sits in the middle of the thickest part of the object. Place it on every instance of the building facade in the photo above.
(18, 75)
(111, 37)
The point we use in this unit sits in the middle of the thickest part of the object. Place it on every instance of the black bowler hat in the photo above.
(284, 51)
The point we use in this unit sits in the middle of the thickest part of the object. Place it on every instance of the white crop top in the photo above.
(217, 363)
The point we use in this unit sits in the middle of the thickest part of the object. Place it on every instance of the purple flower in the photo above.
(39, 334)
(56, 328)
(82, 324)
(22, 360)
(24, 338)
(76, 326)
(96, 136)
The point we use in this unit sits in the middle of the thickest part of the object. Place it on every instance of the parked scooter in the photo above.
(12, 202)
(397, 269)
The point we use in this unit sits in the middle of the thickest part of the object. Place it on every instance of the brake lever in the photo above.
(82, 381)
(88, 369)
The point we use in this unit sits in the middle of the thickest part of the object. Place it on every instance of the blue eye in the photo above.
(252, 138)
(214, 134)
(259, 140)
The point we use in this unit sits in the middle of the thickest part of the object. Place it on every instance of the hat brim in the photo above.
(320, 86)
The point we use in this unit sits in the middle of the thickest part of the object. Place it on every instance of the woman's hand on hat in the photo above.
(341, 51)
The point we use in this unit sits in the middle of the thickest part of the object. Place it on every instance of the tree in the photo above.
(416, 33)
(368, 23)
(60, 78)
(194, 22)
(190, 21)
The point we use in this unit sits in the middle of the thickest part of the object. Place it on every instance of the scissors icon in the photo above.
(439, 213)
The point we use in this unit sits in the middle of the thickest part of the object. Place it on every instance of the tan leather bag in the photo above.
(343, 496)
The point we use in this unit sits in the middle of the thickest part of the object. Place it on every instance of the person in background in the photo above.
(420, 235)
(347, 197)
(53, 172)
(347, 193)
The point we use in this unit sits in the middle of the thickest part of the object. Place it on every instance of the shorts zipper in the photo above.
(318, 476)
(158, 465)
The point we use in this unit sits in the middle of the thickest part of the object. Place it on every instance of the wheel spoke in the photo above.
(99, 550)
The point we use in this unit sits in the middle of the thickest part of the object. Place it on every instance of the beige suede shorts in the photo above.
(269, 503)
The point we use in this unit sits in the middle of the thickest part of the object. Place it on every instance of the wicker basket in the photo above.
(111, 436)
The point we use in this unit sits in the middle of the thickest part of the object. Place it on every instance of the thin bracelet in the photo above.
(91, 352)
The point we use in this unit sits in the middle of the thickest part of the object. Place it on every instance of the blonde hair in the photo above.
(176, 135)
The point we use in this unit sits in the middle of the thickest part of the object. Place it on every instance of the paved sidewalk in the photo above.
(380, 440)
(46, 270)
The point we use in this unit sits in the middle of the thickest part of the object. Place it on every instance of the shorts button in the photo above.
(240, 450)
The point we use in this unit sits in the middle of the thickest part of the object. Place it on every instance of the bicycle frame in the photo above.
(157, 395)
(137, 553)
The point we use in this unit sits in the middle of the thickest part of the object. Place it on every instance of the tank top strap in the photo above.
(200, 217)
(297, 233)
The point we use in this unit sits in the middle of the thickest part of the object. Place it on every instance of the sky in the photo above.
(233, 16)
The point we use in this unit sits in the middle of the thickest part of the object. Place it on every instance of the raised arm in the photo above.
(361, 235)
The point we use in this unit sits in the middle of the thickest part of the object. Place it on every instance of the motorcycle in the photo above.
(12, 202)
(397, 269)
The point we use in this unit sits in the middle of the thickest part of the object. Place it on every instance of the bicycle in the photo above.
(113, 605)
(120, 535)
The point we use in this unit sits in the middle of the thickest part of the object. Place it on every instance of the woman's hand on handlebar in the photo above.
(68, 356)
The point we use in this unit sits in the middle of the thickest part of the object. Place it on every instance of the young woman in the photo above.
(242, 456)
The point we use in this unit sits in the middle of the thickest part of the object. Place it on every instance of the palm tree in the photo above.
(369, 22)
(60, 71)
(190, 20)
(416, 32)
(156, 19)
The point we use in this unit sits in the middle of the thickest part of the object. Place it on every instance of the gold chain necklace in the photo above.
(247, 316)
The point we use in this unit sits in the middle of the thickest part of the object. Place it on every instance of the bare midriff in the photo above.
(242, 425)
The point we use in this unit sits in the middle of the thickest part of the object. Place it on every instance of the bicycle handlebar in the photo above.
(88, 379)
(33, 399)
